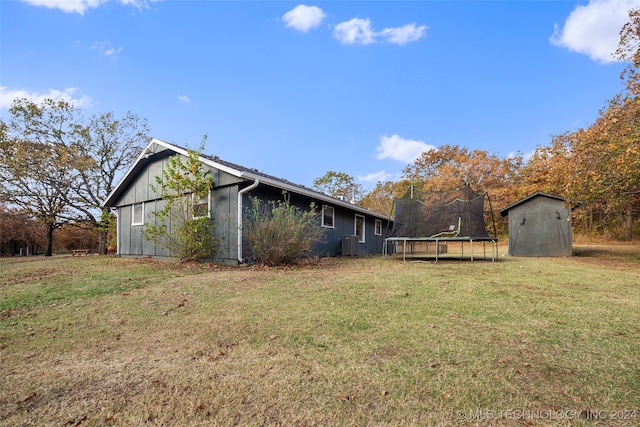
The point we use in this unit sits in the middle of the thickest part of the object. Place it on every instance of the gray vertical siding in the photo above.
(225, 215)
(125, 230)
(224, 212)
(344, 224)
(145, 189)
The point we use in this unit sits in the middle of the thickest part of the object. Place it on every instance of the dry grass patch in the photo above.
(361, 341)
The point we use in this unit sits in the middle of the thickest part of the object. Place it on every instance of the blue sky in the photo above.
(297, 89)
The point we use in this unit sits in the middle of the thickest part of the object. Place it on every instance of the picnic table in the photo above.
(80, 252)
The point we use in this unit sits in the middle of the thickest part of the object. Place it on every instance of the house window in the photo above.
(138, 214)
(378, 227)
(201, 207)
(359, 228)
(327, 216)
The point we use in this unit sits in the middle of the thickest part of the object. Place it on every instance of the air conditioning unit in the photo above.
(350, 245)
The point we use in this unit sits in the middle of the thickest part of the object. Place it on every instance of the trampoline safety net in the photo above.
(457, 213)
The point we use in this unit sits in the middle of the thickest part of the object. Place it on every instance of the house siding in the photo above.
(140, 186)
(145, 189)
(224, 213)
(344, 223)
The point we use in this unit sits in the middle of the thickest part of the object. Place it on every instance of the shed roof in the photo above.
(504, 212)
(231, 168)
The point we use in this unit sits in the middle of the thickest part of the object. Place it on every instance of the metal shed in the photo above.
(539, 225)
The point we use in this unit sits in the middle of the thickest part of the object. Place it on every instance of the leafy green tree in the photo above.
(339, 184)
(183, 225)
(278, 233)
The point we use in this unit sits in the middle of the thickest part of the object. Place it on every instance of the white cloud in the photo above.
(107, 49)
(138, 4)
(398, 148)
(69, 6)
(355, 31)
(594, 29)
(184, 98)
(81, 6)
(405, 34)
(375, 177)
(303, 18)
(360, 31)
(7, 96)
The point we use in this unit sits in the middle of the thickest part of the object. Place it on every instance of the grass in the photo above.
(346, 342)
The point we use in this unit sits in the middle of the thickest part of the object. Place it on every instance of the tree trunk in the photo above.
(102, 242)
(105, 226)
(629, 223)
(48, 250)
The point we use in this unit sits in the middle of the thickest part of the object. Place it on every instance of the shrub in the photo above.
(279, 233)
(183, 187)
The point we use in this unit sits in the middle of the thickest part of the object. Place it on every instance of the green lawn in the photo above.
(344, 341)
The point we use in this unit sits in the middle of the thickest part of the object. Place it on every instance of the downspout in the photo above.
(240, 194)
(116, 212)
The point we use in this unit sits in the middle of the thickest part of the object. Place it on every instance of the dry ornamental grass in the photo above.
(342, 342)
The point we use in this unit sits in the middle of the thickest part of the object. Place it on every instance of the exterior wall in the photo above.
(344, 223)
(224, 212)
(540, 227)
(131, 239)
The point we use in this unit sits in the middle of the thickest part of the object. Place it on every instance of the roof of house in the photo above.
(233, 169)
(504, 212)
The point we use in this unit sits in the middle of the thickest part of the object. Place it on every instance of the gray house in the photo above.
(539, 225)
(349, 229)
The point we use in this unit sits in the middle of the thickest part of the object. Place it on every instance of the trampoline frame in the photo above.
(437, 240)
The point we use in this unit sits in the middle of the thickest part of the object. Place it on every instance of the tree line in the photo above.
(21, 234)
(56, 167)
(595, 169)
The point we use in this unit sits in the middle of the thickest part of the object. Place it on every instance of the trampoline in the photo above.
(440, 219)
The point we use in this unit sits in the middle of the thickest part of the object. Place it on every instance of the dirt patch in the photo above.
(625, 257)
(37, 275)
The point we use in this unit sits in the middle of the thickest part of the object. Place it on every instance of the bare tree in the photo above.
(107, 147)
